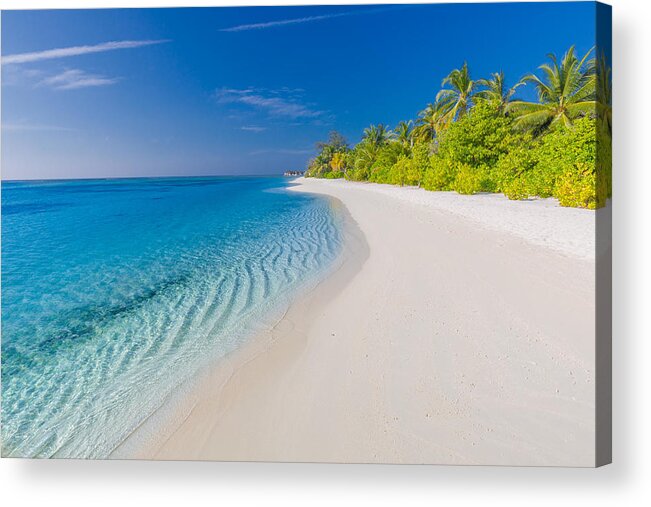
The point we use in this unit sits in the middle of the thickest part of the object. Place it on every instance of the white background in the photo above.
(626, 482)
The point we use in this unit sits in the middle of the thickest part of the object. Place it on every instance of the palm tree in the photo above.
(496, 92)
(456, 100)
(431, 121)
(566, 91)
(337, 161)
(364, 156)
(376, 135)
(404, 132)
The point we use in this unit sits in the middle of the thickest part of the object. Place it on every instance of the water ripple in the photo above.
(110, 303)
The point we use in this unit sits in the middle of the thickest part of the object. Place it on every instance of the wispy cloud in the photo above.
(50, 54)
(282, 103)
(75, 78)
(283, 22)
(16, 75)
(253, 128)
(306, 19)
(29, 127)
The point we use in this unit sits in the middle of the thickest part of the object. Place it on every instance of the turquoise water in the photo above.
(114, 292)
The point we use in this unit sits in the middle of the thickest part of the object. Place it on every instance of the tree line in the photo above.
(478, 136)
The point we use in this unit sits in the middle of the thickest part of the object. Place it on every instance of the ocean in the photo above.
(116, 292)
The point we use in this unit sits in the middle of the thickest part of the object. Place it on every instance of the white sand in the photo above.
(539, 221)
(449, 335)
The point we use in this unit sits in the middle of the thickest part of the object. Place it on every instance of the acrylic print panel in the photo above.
(369, 234)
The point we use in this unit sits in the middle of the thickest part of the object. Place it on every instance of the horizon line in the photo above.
(108, 178)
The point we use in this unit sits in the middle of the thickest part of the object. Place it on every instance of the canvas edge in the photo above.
(603, 278)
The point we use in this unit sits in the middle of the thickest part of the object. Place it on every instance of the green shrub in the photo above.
(576, 187)
(439, 175)
(541, 181)
(604, 166)
(468, 180)
(478, 139)
(516, 188)
(386, 158)
(379, 174)
(481, 152)
(565, 156)
(512, 173)
(356, 174)
(488, 183)
(322, 166)
(398, 173)
(362, 160)
(418, 164)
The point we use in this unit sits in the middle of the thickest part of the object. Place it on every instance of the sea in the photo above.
(116, 292)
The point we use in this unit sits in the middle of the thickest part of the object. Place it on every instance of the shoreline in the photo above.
(539, 221)
(212, 382)
(441, 341)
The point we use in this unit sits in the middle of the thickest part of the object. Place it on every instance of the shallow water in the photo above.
(114, 292)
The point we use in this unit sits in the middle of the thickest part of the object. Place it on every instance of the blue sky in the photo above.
(149, 92)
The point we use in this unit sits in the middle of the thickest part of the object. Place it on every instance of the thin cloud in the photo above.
(74, 79)
(306, 19)
(283, 22)
(253, 128)
(27, 127)
(16, 75)
(271, 102)
(50, 54)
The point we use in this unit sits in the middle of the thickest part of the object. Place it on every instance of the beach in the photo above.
(454, 330)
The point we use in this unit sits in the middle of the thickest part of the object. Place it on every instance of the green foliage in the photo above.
(456, 99)
(333, 175)
(439, 175)
(468, 180)
(604, 166)
(604, 94)
(330, 158)
(397, 175)
(397, 164)
(362, 158)
(431, 121)
(576, 187)
(470, 149)
(387, 156)
(418, 164)
(356, 175)
(377, 135)
(476, 137)
(513, 173)
(566, 91)
(565, 155)
(517, 188)
(495, 91)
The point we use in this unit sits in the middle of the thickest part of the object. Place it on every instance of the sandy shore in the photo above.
(457, 330)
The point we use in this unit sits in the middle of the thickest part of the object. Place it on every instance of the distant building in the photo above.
(294, 173)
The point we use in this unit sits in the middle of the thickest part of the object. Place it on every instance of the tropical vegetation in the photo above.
(479, 136)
